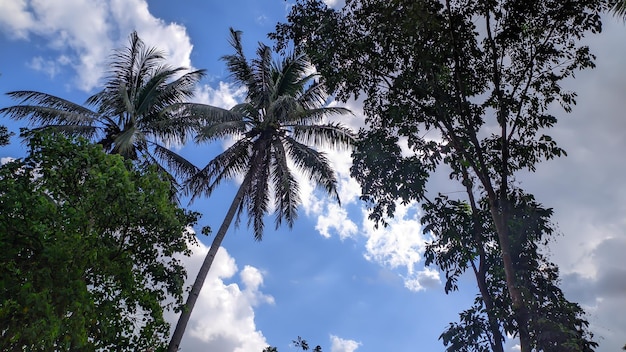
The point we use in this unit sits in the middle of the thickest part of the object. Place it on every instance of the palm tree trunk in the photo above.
(204, 270)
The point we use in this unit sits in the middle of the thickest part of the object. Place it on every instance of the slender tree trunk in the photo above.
(519, 306)
(497, 339)
(500, 208)
(177, 336)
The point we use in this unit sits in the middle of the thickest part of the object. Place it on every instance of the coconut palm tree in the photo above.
(282, 115)
(141, 109)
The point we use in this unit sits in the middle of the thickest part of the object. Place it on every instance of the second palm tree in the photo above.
(284, 112)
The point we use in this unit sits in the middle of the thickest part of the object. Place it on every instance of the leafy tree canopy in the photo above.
(471, 87)
(87, 250)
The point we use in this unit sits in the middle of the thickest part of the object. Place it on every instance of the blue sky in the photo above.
(334, 279)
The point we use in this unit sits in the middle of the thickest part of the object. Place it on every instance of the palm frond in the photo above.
(284, 109)
(220, 130)
(246, 109)
(260, 84)
(180, 166)
(161, 91)
(258, 196)
(314, 96)
(152, 96)
(310, 116)
(332, 134)
(290, 71)
(173, 123)
(207, 114)
(237, 64)
(314, 165)
(85, 131)
(233, 161)
(132, 64)
(287, 191)
(127, 106)
(41, 108)
(127, 141)
(151, 161)
(618, 7)
(215, 123)
(183, 88)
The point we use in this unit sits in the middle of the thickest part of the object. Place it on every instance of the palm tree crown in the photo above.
(139, 112)
(282, 114)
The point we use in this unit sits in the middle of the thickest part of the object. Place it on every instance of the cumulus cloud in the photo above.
(15, 18)
(225, 96)
(49, 67)
(82, 33)
(337, 344)
(602, 294)
(336, 218)
(398, 247)
(401, 245)
(223, 318)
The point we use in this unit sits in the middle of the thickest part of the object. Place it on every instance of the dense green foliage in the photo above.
(141, 110)
(471, 87)
(87, 250)
(5, 135)
(281, 117)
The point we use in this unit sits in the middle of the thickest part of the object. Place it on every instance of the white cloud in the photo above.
(15, 18)
(223, 318)
(225, 96)
(330, 216)
(318, 204)
(337, 344)
(401, 245)
(49, 67)
(172, 38)
(335, 4)
(423, 279)
(5, 160)
(82, 33)
(336, 217)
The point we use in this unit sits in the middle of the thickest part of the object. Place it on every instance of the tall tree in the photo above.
(469, 84)
(88, 243)
(463, 244)
(140, 111)
(282, 114)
